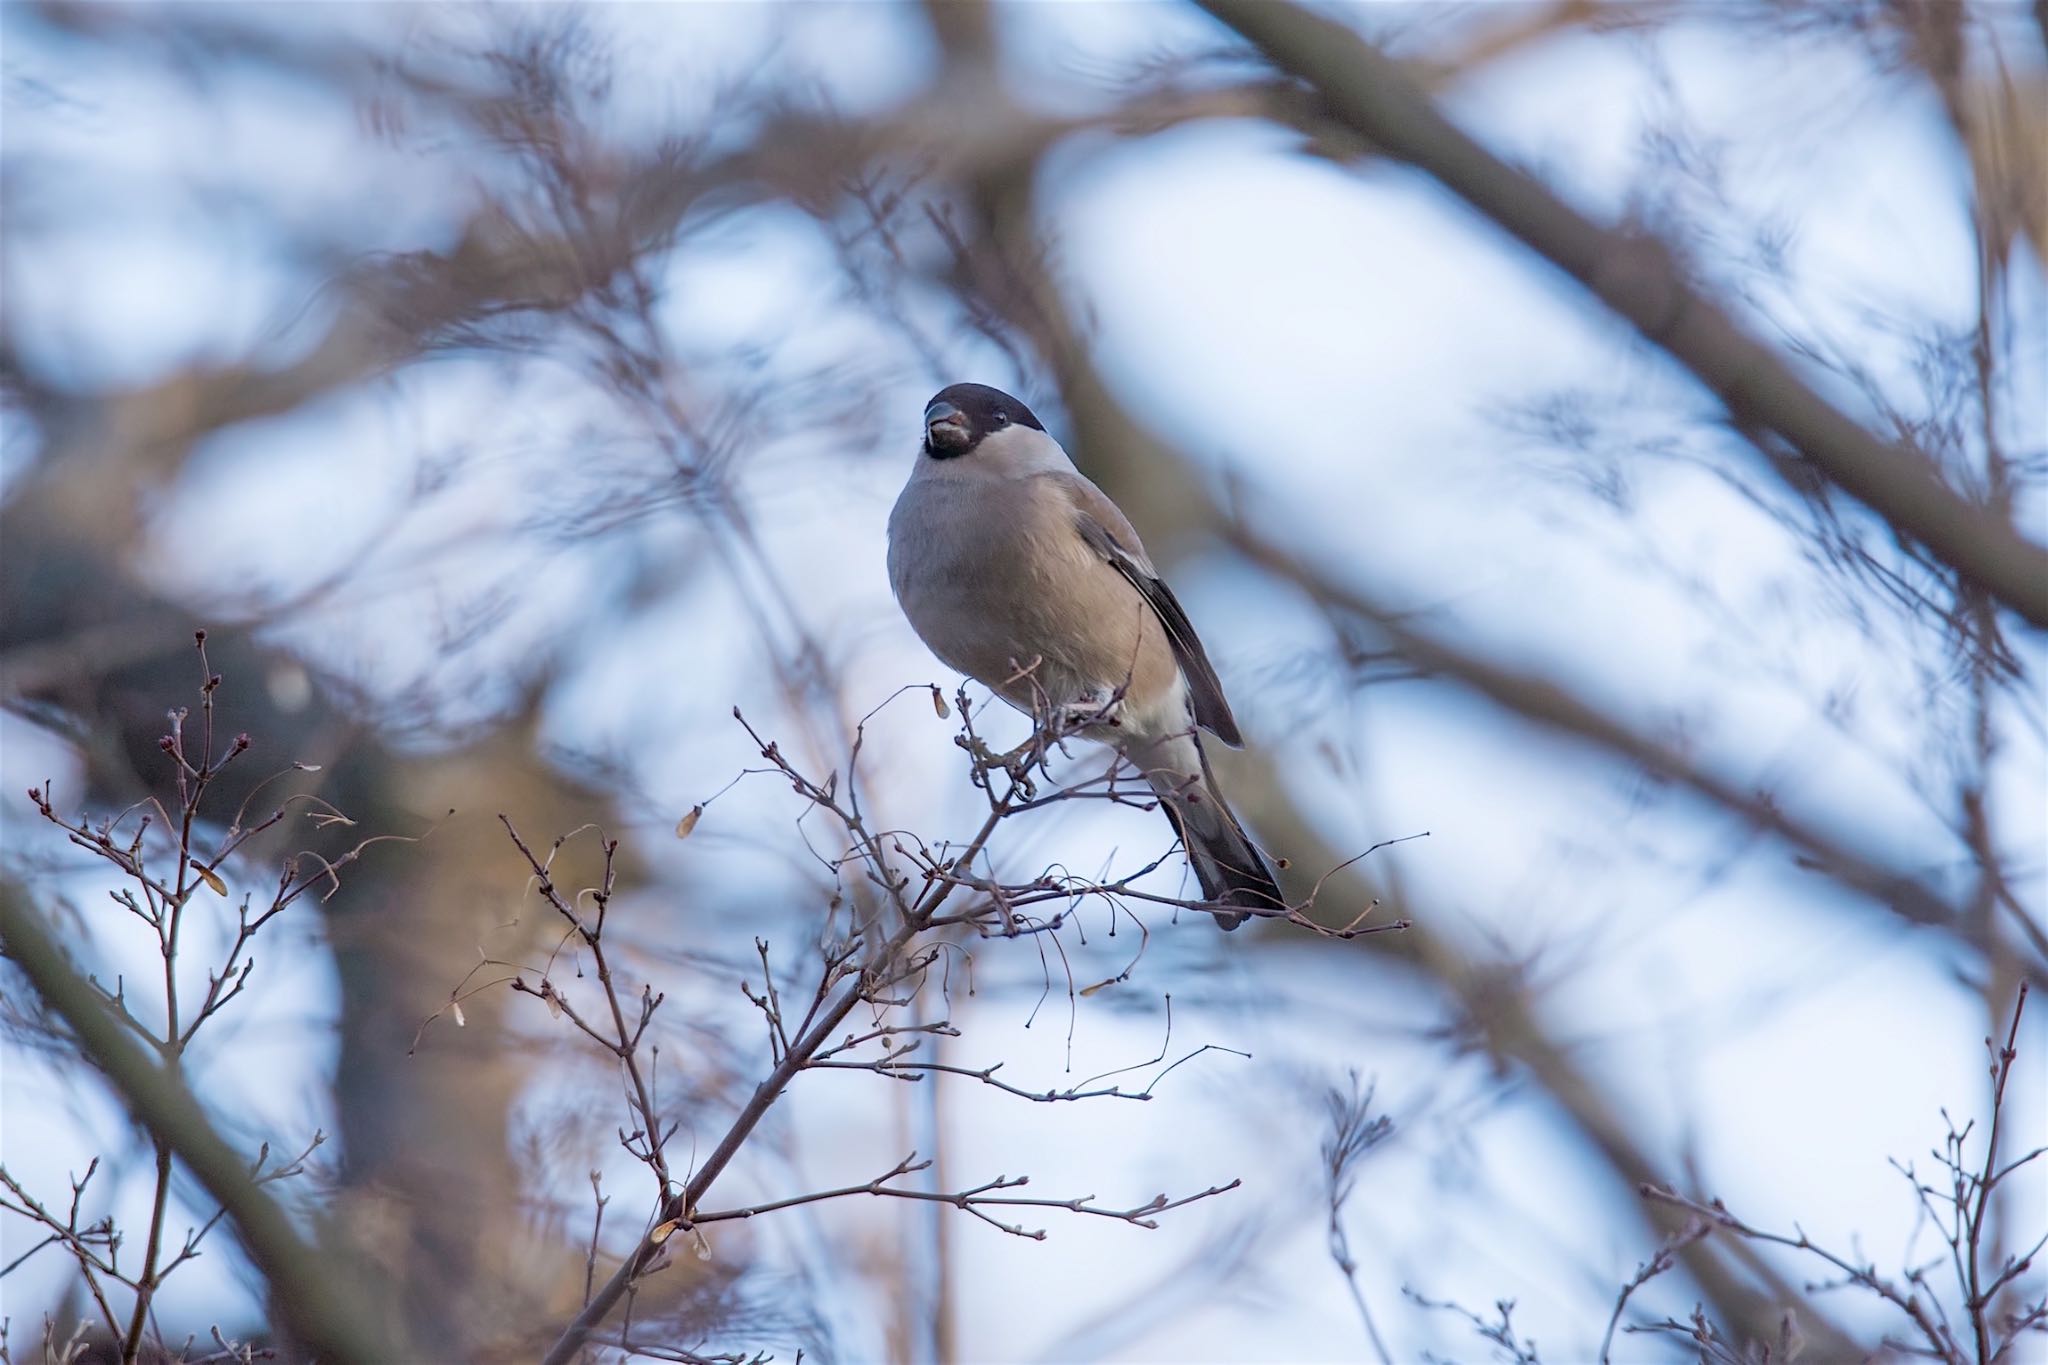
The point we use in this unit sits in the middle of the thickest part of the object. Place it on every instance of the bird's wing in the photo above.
(1109, 533)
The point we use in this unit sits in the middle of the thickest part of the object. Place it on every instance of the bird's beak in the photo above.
(945, 426)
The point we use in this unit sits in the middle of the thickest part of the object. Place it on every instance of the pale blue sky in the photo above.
(1338, 340)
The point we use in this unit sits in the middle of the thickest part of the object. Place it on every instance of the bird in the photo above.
(1016, 570)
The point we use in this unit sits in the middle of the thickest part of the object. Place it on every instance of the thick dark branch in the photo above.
(1544, 701)
(1639, 277)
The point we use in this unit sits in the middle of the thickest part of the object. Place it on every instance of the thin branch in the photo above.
(973, 1200)
(1354, 1132)
(1665, 1257)
(1717, 1216)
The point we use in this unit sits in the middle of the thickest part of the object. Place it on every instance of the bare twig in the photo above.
(1665, 1257)
(975, 1200)
(1498, 1330)
(1354, 1131)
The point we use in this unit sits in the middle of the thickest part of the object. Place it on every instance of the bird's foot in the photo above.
(1091, 711)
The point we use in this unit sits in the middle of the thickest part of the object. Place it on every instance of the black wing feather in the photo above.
(1205, 689)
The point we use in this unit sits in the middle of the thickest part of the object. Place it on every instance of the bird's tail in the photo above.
(1227, 863)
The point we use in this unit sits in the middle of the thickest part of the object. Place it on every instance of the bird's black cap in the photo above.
(960, 415)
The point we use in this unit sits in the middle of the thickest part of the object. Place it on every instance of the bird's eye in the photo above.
(1000, 420)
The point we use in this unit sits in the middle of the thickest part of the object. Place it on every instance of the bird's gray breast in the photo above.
(985, 571)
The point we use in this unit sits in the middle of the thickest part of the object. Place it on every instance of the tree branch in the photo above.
(1640, 278)
(1541, 700)
(312, 1294)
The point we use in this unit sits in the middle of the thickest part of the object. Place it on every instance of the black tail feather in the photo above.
(1229, 866)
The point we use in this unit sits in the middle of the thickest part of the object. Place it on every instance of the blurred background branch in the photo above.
(1638, 277)
(516, 394)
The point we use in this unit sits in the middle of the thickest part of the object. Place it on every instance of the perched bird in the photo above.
(1022, 574)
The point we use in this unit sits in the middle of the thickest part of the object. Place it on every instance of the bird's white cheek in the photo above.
(1020, 451)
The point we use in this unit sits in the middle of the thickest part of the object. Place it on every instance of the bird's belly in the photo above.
(1014, 642)
(1026, 608)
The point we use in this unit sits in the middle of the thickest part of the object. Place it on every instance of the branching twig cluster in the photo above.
(1508, 1345)
(1354, 1131)
(172, 863)
(913, 898)
(1976, 1321)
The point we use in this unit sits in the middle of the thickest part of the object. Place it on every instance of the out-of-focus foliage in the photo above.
(514, 393)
